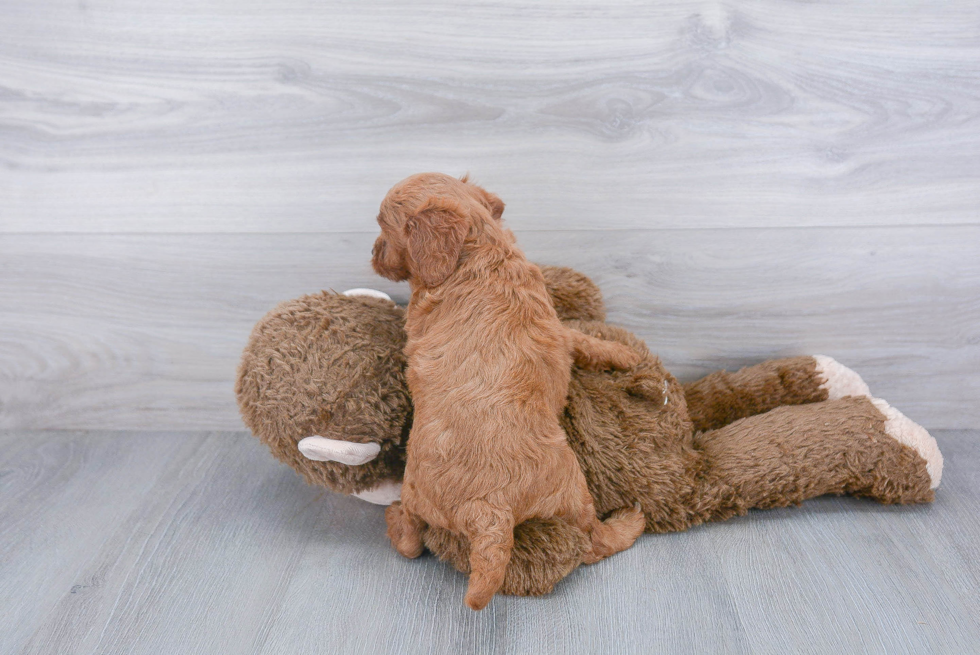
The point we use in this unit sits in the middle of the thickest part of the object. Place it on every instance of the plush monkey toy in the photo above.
(322, 383)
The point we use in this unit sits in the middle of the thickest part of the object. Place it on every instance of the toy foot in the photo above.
(903, 430)
(838, 380)
(616, 533)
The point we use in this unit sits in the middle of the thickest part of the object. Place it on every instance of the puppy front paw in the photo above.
(597, 354)
(622, 357)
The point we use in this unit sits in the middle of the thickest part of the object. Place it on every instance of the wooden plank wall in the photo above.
(744, 180)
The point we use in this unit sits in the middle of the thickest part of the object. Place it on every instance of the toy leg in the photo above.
(721, 398)
(593, 353)
(854, 445)
(404, 530)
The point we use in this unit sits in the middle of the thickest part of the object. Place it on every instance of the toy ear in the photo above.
(435, 239)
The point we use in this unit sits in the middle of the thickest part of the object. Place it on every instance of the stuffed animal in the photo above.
(322, 383)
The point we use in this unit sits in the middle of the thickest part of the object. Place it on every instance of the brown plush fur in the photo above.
(488, 367)
(291, 382)
(720, 398)
(784, 456)
(330, 365)
(574, 296)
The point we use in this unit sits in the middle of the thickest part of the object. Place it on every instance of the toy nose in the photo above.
(351, 453)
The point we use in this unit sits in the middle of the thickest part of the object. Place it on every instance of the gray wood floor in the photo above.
(192, 542)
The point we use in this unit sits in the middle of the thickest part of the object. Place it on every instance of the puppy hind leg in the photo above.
(404, 530)
(490, 531)
(592, 353)
(616, 533)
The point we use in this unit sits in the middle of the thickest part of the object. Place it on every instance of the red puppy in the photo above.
(488, 367)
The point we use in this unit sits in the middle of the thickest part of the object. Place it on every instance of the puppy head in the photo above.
(425, 221)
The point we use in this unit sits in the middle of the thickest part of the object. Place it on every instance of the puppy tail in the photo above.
(490, 532)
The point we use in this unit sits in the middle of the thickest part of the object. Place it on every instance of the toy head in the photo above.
(331, 366)
(425, 220)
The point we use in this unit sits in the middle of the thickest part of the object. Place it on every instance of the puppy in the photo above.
(488, 367)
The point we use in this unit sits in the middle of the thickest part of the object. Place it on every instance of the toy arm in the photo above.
(721, 398)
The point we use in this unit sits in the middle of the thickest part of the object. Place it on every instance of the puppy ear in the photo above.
(493, 203)
(435, 239)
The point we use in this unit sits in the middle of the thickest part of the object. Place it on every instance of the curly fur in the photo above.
(329, 365)
(488, 366)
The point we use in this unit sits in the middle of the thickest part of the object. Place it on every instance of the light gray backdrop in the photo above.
(744, 180)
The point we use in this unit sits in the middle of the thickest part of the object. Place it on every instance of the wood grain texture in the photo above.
(145, 331)
(296, 116)
(744, 180)
(201, 542)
